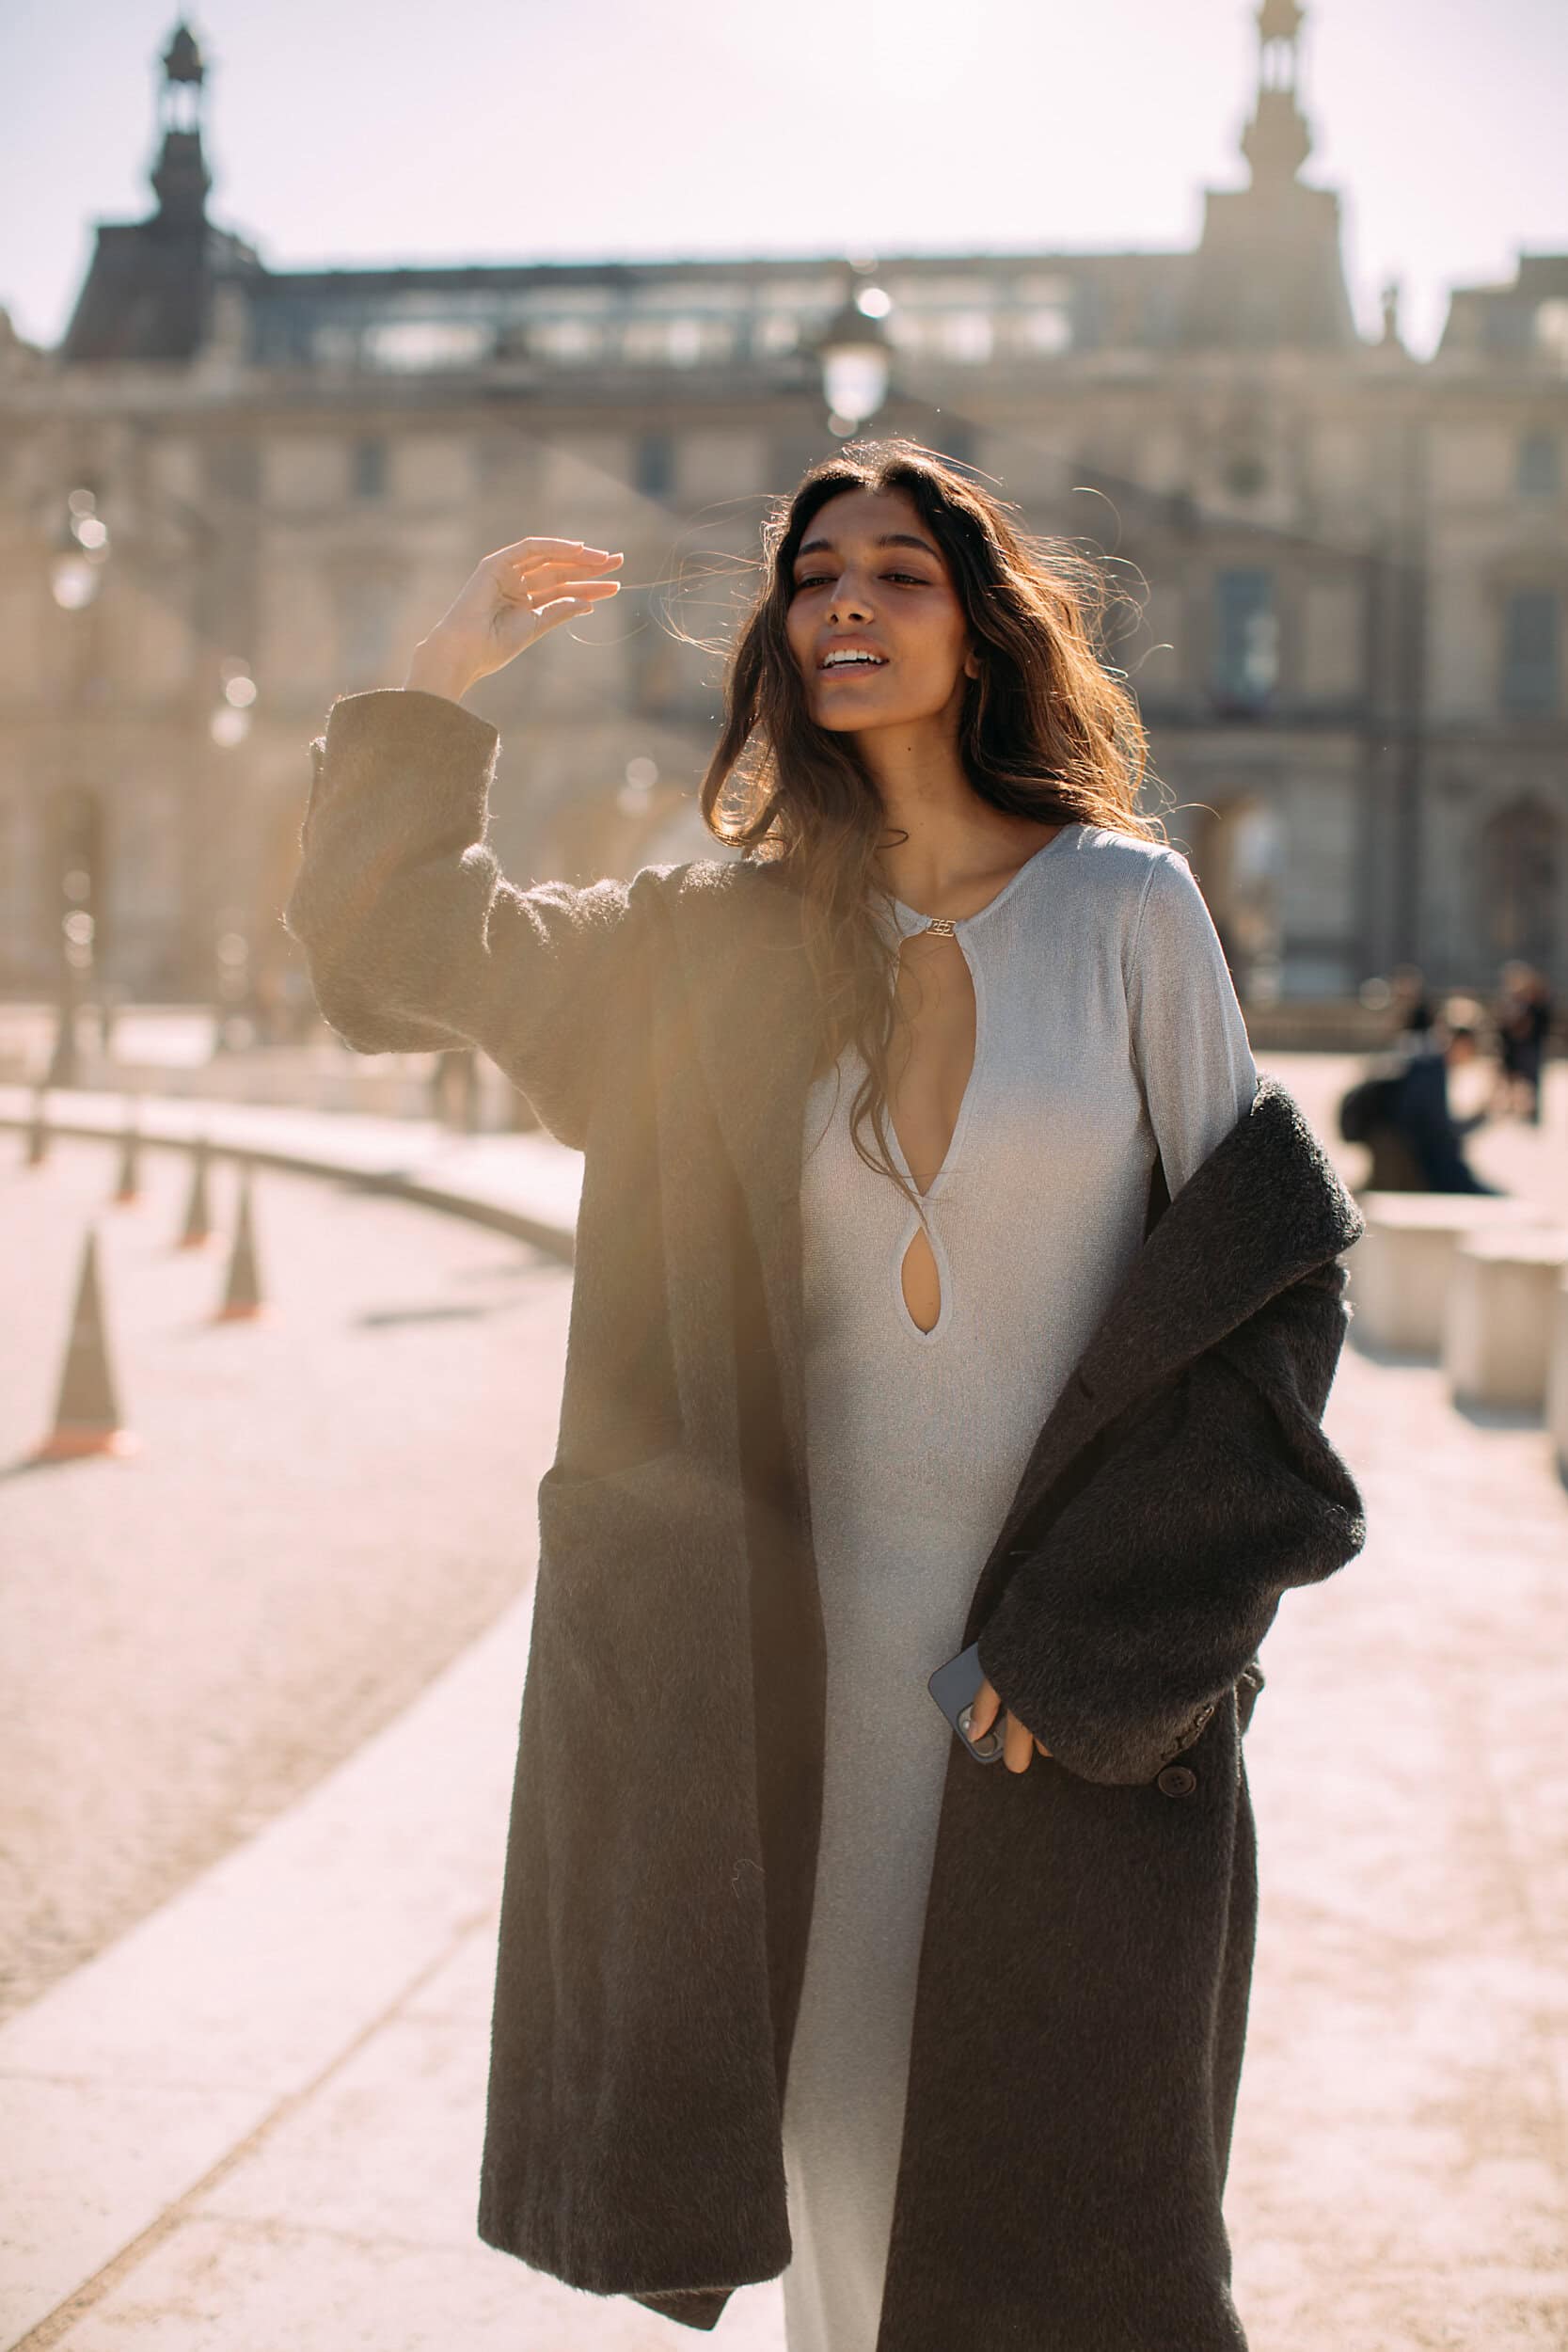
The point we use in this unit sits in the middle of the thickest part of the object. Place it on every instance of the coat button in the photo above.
(1177, 1780)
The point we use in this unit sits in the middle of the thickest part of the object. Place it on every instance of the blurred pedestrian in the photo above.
(1412, 1008)
(1524, 1020)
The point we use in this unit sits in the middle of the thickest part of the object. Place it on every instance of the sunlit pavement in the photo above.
(254, 2120)
(323, 1513)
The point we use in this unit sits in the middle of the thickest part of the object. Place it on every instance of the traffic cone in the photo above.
(87, 1418)
(37, 1130)
(197, 1230)
(242, 1300)
(129, 1186)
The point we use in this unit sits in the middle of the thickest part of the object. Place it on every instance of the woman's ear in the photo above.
(972, 663)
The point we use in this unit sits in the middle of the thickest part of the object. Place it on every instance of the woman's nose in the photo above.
(848, 603)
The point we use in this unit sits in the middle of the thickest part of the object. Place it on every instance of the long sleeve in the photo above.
(1189, 1036)
(413, 935)
(1147, 1595)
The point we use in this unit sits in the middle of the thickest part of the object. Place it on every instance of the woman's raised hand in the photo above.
(514, 597)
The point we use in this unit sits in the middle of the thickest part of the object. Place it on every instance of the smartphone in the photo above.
(955, 1688)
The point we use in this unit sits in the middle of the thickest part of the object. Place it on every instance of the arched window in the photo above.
(1519, 879)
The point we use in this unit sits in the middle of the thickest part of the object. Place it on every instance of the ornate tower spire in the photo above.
(180, 179)
(1277, 142)
(149, 292)
(1268, 273)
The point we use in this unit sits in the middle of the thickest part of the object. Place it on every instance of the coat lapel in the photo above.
(737, 939)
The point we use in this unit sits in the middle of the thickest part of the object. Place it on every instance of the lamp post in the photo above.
(855, 352)
(79, 554)
(79, 550)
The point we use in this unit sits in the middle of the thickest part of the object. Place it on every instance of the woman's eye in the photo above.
(814, 579)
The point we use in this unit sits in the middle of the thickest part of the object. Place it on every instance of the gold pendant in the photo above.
(941, 925)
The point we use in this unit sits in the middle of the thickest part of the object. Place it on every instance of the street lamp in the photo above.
(855, 352)
(80, 550)
(230, 721)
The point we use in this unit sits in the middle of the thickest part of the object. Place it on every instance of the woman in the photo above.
(876, 1119)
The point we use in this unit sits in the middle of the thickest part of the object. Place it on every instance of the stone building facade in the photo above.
(232, 493)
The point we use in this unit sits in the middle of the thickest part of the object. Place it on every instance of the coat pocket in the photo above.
(641, 1602)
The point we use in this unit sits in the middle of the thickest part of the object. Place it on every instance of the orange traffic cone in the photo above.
(129, 1186)
(37, 1130)
(198, 1230)
(87, 1418)
(242, 1300)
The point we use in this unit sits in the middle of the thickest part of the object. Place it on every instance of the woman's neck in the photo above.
(945, 850)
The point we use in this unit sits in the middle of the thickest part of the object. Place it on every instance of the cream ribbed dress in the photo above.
(1106, 1028)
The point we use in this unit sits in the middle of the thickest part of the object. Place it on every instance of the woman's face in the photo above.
(870, 579)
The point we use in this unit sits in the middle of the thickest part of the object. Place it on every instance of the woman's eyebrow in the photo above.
(888, 539)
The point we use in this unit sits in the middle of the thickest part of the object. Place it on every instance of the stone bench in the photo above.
(1401, 1268)
(1501, 1306)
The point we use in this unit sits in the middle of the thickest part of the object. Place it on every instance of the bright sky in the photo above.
(518, 130)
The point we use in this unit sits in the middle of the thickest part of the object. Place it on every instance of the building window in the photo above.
(655, 471)
(1532, 630)
(367, 620)
(1247, 638)
(1045, 330)
(967, 336)
(421, 344)
(1539, 469)
(1245, 474)
(570, 343)
(775, 332)
(370, 469)
(1517, 868)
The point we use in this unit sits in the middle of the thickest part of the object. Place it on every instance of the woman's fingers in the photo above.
(982, 1709)
(591, 590)
(582, 559)
(562, 609)
(537, 545)
(1017, 1746)
(1018, 1740)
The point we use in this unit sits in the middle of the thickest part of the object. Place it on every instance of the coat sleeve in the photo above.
(413, 935)
(1123, 1624)
(1189, 1036)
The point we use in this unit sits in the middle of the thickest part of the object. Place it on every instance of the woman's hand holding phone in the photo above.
(970, 1702)
(1018, 1742)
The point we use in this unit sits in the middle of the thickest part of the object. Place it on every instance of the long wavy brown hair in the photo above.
(1048, 731)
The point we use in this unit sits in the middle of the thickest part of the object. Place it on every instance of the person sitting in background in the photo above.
(1422, 1117)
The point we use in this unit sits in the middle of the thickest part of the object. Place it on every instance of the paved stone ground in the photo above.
(326, 1510)
(1399, 2180)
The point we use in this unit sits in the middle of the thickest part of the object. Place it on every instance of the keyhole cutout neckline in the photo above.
(921, 1254)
